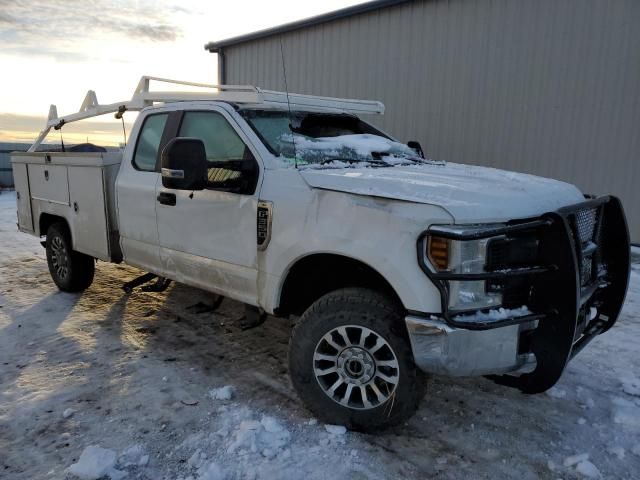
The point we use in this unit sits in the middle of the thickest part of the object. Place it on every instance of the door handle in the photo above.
(166, 198)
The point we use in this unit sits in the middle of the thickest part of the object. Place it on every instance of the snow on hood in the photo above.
(469, 193)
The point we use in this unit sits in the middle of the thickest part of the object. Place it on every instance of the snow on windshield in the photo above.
(344, 150)
(327, 140)
(363, 145)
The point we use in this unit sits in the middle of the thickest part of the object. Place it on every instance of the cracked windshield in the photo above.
(321, 140)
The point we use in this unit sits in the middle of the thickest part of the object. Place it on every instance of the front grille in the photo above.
(504, 254)
(524, 250)
(514, 252)
(586, 232)
(587, 270)
(586, 224)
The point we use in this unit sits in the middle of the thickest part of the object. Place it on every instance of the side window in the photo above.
(149, 141)
(232, 167)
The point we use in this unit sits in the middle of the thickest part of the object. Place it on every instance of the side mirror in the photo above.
(417, 147)
(184, 164)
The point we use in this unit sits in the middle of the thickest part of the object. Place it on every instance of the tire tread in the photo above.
(350, 305)
(82, 268)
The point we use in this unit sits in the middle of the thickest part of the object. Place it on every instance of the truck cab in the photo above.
(394, 265)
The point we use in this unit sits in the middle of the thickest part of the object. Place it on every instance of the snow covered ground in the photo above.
(133, 386)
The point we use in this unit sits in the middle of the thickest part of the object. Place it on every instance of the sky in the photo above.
(53, 51)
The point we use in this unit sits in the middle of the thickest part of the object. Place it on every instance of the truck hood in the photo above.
(469, 193)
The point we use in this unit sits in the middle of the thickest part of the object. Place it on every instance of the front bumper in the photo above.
(574, 291)
(441, 349)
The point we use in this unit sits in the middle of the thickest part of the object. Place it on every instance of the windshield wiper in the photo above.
(379, 155)
(411, 159)
(353, 160)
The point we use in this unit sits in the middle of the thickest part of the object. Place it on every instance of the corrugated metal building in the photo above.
(550, 87)
(6, 173)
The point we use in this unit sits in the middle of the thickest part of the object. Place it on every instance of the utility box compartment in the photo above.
(76, 187)
(49, 183)
(23, 195)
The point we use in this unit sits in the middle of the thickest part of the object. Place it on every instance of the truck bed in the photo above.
(76, 187)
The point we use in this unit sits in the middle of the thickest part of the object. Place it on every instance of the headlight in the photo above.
(471, 295)
(462, 257)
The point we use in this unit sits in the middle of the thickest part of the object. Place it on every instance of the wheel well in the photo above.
(46, 220)
(316, 275)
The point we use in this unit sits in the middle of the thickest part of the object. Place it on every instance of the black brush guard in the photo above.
(582, 262)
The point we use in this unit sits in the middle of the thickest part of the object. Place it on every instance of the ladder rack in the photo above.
(240, 94)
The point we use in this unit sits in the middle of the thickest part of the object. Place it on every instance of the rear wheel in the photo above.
(71, 271)
(351, 362)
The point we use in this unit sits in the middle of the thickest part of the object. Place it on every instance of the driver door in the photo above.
(208, 237)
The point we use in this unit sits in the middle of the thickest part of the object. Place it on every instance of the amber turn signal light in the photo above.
(438, 252)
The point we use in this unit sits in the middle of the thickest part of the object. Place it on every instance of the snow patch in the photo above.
(631, 386)
(271, 425)
(494, 315)
(68, 413)
(222, 393)
(211, 471)
(588, 469)
(629, 416)
(625, 412)
(556, 392)
(95, 462)
(243, 446)
(267, 437)
(618, 452)
(575, 459)
(134, 455)
(335, 429)
(197, 459)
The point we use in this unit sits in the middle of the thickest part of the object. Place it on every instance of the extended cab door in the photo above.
(136, 193)
(208, 237)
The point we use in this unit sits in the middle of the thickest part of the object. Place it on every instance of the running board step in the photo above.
(160, 285)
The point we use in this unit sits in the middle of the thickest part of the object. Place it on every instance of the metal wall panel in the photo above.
(550, 87)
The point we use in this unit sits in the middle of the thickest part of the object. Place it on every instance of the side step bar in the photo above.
(160, 285)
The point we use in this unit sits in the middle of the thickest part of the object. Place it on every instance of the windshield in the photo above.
(326, 139)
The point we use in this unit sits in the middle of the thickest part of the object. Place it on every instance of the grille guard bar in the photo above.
(564, 323)
(536, 226)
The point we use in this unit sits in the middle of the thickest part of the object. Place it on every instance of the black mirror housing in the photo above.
(184, 164)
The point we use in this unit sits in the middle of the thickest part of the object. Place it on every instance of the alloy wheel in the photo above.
(356, 367)
(59, 257)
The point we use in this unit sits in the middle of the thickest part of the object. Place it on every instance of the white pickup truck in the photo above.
(294, 205)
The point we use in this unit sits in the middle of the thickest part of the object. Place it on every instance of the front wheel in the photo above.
(351, 363)
(70, 270)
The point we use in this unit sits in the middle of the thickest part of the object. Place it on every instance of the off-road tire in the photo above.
(78, 271)
(370, 310)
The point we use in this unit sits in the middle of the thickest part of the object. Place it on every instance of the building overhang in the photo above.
(216, 47)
